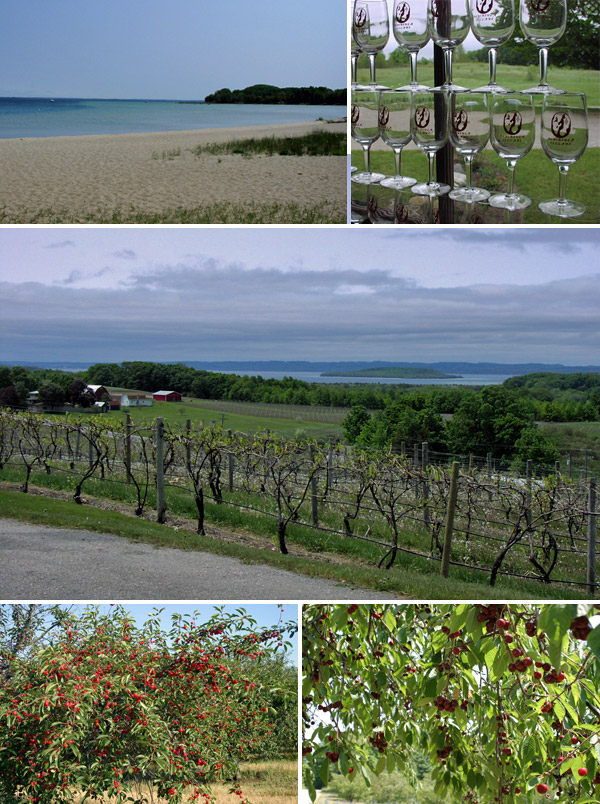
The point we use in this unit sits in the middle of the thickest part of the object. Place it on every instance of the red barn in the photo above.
(167, 396)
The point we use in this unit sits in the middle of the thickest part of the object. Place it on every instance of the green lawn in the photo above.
(239, 417)
(580, 441)
(474, 74)
(536, 175)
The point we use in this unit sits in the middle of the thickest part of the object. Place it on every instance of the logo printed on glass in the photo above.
(355, 116)
(372, 205)
(560, 125)
(422, 116)
(360, 17)
(512, 123)
(438, 7)
(484, 6)
(401, 213)
(539, 5)
(460, 120)
(384, 116)
(402, 13)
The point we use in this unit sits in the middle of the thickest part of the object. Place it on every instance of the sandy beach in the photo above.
(158, 172)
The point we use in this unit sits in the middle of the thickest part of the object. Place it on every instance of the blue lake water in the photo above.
(310, 376)
(68, 117)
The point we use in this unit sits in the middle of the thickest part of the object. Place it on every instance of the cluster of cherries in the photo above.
(378, 741)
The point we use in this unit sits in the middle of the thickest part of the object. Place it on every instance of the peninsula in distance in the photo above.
(404, 372)
(266, 93)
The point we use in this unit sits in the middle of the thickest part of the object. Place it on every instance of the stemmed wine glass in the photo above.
(412, 33)
(354, 50)
(429, 129)
(469, 133)
(448, 22)
(492, 24)
(543, 22)
(394, 130)
(365, 129)
(371, 29)
(512, 135)
(564, 139)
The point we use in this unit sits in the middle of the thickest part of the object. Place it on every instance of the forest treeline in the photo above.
(544, 396)
(266, 93)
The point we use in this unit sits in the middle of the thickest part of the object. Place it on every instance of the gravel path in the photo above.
(43, 563)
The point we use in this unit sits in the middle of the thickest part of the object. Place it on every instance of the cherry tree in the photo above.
(504, 698)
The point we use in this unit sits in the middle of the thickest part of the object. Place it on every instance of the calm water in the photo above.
(310, 376)
(35, 117)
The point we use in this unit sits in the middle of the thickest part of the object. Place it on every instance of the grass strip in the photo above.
(219, 213)
(416, 578)
(317, 143)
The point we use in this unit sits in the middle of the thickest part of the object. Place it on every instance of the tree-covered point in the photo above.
(266, 93)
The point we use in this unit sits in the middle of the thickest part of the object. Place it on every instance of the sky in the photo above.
(183, 49)
(108, 294)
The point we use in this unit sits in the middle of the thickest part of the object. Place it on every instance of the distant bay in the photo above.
(72, 117)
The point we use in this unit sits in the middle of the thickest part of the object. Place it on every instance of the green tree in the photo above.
(504, 698)
(354, 422)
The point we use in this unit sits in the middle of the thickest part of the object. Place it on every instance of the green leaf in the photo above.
(555, 621)
(381, 765)
(391, 762)
(593, 642)
(324, 772)
(529, 749)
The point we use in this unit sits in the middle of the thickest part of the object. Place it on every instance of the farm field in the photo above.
(243, 417)
(577, 439)
(273, 782)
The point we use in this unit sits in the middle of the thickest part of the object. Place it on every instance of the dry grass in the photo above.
(273, 782)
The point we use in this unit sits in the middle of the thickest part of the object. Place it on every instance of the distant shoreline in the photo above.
(395, 372)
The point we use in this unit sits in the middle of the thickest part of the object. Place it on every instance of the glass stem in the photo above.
(413, 54)
(468, 163)
(492, 53)
(398, 157)
(354, 73)
(448, 65)
(430, 157)
(372, 57)
(562, 183)
(543, 66)
(511, 164)
(367, 155)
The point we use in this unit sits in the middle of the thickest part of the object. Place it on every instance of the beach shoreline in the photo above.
(158, 171)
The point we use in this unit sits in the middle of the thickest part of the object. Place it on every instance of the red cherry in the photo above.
(582, 771)
(542, 788)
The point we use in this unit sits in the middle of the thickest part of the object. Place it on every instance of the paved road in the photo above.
(42, 563)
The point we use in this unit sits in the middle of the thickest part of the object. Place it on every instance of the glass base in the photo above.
(416, 88)
(469, 194)
(353, 169)
(509, 201)
(562, 207)
(451, 88)
(433, 188)
(494, 89)
(367, 178)
(398, 182)
(542, 89)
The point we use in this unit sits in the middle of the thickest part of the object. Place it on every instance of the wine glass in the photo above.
(512, 135)
(543, 22)
(469, 133)
(371, 29)
(394, 130)
(365, 129)
(564, 138)
(354, 50)
(448, 22)
(412, 33)
(429, 129)
(492, 24)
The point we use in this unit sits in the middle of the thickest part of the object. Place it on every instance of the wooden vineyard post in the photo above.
(591, 539)
(230, 464)
(313, 491)
(424, 465)
(529, 476)
(160, 472)
(128, 448)
(451, 508)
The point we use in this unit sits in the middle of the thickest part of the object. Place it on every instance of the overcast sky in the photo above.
(359, 293)
(183, 49)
